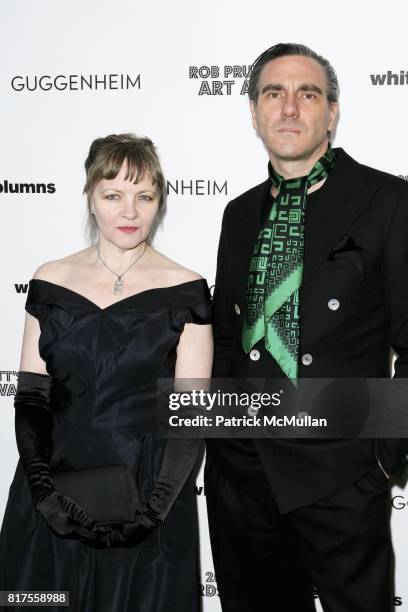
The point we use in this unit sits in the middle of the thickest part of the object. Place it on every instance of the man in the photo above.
(286, 515)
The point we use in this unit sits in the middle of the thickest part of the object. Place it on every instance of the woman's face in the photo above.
(123, 211)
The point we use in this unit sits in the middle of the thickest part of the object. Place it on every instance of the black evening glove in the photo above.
(33, 424)
(178, 461)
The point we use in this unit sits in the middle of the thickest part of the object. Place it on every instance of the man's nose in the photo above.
(290, 107)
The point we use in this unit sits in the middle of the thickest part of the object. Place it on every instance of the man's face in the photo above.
(292, 115)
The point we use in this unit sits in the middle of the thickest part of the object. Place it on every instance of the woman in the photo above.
(103, 325)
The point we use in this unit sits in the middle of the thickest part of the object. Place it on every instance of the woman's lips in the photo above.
(128, 229)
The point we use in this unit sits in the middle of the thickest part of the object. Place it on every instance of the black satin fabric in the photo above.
(105, 363)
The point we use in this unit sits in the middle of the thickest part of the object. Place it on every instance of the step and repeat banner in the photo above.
(177, 73)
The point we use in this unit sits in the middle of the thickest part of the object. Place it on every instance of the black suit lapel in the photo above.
(252, 218)
(249, 226)
(342, 199)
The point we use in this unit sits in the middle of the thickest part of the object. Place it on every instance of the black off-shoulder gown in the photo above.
(105, 363)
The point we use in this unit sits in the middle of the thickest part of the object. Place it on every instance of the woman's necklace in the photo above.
(118, 284)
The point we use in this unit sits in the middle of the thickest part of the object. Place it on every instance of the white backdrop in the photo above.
(158, 47)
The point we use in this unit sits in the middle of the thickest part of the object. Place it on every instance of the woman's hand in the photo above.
(66, 519)
(126, 536)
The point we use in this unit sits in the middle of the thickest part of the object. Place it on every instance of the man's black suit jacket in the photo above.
(356, 251)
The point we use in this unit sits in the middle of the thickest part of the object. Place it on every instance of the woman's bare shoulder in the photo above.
(57, 270)
(173, 273)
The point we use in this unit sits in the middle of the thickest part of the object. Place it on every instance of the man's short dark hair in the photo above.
(282, 49)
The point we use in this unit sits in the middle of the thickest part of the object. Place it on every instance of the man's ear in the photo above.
(252, 106)
(333, 114)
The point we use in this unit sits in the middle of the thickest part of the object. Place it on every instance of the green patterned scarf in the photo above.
(276, 269)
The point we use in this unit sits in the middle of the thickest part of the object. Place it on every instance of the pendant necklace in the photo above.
(118, 284)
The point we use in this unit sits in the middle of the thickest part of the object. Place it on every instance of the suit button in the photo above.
(254, 355)
(237, 309)
(252, 411)
(307, 359)
(333, 304)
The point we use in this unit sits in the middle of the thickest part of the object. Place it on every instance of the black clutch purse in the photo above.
(107, 493)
